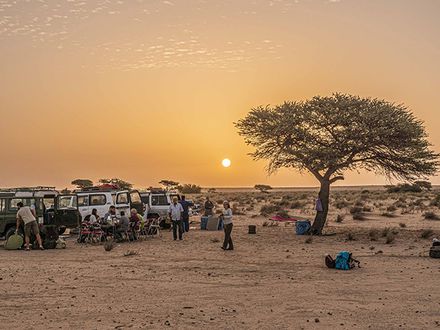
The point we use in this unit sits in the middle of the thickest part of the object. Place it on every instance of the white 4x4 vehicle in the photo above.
(101, 200)
(158, 203)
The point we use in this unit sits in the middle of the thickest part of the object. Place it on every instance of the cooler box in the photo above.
(213, 223)
(302, 227)
(204, 222)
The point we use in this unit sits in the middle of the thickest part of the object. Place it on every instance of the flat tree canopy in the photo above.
(327, 136)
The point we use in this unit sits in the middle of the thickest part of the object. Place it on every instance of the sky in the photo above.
(145, 90)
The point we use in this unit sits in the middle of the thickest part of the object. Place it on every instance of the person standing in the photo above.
(227, 221)
(175, 213)
(209, 206)
(185, 215)
(27, 216)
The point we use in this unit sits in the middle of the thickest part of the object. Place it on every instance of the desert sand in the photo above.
(273, 280)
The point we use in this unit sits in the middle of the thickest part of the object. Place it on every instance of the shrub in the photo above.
(350, 236)
(405, 187)
(297, 205)
(431, 216)
(358, 216)
(341, 204)
(390, 238)
(385, 231)
(367, 208)
(309, 240)
(269, 209)
(189, 189)
(392, 208)
(435, 201)
(356, 209)
(283, 214)
(373, 234)
(339, 218)
(426, 233)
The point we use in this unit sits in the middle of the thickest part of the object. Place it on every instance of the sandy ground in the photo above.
(273, 280)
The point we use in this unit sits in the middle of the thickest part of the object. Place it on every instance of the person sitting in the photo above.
(94, 217)
(110, 216)
(122, 226)
(135, 221)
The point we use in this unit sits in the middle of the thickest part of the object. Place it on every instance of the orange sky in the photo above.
(149, 90)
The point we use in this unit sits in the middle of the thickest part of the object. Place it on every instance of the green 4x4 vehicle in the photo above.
(44, 201)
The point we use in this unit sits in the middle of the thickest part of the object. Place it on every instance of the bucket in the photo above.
(252, 229)
(302, 227)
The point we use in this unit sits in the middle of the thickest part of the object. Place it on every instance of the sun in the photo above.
(226, 162)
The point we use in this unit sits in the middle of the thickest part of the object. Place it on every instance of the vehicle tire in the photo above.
(61, 230)
(434, 252)
(11, 231)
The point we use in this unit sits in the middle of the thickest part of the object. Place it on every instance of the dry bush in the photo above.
(390, 238)
(391, 208)
(385, 231)
(297, 205)
(373, 234)
(426, 233)
(356, 209)
(350, 236)
(359, 216)
(269, 209)
(367, 208)
(431, 216)
(341, 204)
(339, 218)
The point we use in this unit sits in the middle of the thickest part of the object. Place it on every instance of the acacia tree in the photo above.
(169, 184)
(262, 188)
(121, 184)
(327, 136)
(82, 183)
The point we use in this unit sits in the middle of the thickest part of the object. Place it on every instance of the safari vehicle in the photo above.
(157, 203)
(101, 199)
(42, 199)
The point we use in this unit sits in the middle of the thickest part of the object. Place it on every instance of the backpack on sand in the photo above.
(345, 261)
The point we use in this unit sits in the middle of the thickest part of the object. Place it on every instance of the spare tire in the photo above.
(434, 252)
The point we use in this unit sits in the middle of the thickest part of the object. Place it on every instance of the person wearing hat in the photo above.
(227, 221)
(175, 213)
(27, 216)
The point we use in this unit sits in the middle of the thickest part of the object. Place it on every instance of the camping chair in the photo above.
(154, 228)
(278, 219)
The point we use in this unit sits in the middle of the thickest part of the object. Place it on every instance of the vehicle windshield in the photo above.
(67, 202)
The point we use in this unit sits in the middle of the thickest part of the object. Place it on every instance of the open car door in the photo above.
(66, 211)
(122, 202)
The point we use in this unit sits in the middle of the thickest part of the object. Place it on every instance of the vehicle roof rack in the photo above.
(36, 188)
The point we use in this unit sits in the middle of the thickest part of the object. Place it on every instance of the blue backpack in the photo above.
(345, 261)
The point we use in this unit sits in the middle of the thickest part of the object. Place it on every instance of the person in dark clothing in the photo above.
(185, 214)
(227, 220)
(209, 206)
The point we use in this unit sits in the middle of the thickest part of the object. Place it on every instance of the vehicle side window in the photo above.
(26, 202)
(159, 200)
(135, 197)
(122, 198)
(97, 200)
(2, 205)
(83, 200)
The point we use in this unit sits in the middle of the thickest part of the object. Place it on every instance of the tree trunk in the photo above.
(321, 216)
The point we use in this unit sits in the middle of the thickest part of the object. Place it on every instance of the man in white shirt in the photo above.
(175, 213)
(27, 215)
